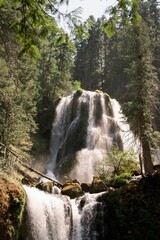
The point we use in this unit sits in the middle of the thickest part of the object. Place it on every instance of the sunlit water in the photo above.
(56, 217)
(110, 129)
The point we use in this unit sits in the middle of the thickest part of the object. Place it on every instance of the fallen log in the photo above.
(18, 158)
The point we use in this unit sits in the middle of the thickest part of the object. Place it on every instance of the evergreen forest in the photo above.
(40, 64)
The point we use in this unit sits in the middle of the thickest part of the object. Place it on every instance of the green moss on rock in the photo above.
(45, 186)
(12, 202)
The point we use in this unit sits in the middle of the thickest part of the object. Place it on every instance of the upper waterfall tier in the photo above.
(86, 125)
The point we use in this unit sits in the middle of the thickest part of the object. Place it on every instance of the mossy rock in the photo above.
(12, 202)
(45, 186)
(72, 189)
(97, 185)
(98, 91)
(78, 93)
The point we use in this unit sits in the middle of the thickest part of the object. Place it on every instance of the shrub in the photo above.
(117, 167)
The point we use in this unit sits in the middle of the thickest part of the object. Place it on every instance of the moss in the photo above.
(12, 201)
(45, 186)
(98, 91)
(78, 93)
(71, 189)
(107, 96)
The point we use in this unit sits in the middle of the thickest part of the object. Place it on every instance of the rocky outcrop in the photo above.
(97, 185)
(72, 189)
(134, 209)
(12, 202)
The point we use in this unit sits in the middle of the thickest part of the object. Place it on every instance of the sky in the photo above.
(90, 7)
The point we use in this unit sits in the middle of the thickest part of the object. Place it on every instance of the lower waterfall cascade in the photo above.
(86, 126)
(56, 217)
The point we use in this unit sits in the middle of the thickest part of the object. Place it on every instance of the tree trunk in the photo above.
(147, 161)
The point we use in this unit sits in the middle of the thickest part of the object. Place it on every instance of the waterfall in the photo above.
(48, 215)
(86, 126)
(76, 228)
(125, 132)
(53, 217)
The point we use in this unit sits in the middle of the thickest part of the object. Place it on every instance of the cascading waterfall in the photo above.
(48, 215)
(53, 217)
(76, 228)
(125, 132)
(87, 124)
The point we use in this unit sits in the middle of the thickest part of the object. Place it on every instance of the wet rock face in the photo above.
(12, 202)
(72, 189)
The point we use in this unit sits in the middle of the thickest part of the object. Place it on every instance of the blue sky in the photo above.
(90, 7)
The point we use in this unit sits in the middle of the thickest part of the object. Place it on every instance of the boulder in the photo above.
(97, 185)
(25, 181)
(86, 187)
(72, 189)
(45, 186)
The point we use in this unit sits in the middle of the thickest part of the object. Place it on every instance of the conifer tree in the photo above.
(143, 89)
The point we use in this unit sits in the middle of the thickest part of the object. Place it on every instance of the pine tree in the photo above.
(90, 58)
(55, 80)
(18, 85)
(143, 88)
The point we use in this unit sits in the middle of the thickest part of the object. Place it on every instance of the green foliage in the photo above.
(126, 12)
(55, 81)
(82, 31)
(17, 104)
(35, 70)
(34, 21)
(120, 180)
(144, 86)
(89, 60)
(76, 85)
(117, 167)
(110, 28)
